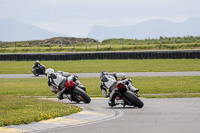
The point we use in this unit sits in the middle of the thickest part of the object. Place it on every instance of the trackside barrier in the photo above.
(181, 54)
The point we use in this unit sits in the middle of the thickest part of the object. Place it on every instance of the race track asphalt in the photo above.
(96, 75)
(168, 115)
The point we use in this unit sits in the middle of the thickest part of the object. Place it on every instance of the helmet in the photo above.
(49, 71)
(103, 73)
(121, 75)
(37, 61)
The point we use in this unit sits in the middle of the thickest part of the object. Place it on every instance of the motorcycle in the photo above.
(127, 97)
(76, 80)
(75, 93)
(38, 70)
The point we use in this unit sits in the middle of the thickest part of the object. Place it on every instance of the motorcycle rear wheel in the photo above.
(82, 95)
(134, 99)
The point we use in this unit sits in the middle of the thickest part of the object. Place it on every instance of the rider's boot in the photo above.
(113, 95)
(60, 94)
(111, 103)
(133, 89)
(81, 86)
(67, 96)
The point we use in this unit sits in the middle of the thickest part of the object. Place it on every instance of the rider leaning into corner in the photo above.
(37, 64)
(109, 81)
(57, 82)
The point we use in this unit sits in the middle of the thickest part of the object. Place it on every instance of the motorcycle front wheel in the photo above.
(82, 95)
(35, 73)
(133, 99)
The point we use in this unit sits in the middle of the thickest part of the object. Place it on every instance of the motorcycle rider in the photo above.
(37, 64)
(72, 77)
(57, 82)
(109, 82)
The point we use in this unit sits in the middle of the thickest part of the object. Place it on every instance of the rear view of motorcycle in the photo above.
(126, 97)
(66, 86)
(121, 90)
(77, 94)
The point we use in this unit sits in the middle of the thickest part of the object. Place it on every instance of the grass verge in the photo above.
(97, 66)
(20, 110)
(147, 85)
(94, 48)
(23, 110)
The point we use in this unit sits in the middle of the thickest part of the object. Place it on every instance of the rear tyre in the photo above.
(82, 95)
(133, 99)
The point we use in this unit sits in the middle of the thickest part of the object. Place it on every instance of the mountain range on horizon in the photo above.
(13, 30)
(148, 29)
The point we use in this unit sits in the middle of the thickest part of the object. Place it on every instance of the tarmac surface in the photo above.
(169, 115)
(96, 75)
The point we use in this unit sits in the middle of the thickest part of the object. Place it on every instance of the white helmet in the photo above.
(49, 71)
(121, 75)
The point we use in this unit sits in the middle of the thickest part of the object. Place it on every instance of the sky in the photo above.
(77, 17)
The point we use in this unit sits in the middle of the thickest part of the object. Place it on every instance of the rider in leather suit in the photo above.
(57, 82)
(109, 82)
(72, 77)
(37, 64)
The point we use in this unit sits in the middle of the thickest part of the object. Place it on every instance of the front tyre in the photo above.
(133, 99)
(82, 95)
(35, 73)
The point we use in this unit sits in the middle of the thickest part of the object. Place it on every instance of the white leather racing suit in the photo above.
(57, 81)
(109, 82)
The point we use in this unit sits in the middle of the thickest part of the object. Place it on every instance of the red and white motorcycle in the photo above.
(77, 94)
(127, 97)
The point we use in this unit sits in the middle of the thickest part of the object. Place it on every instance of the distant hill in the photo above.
(13, 30)
(150, 28)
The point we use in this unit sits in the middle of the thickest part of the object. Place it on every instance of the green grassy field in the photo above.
(128, 46)
(147, 85)
(22, 110)
(19, 110)
(96, 66)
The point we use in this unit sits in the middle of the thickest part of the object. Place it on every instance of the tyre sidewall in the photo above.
(36, 73)
(134, 99)
(79, 92)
